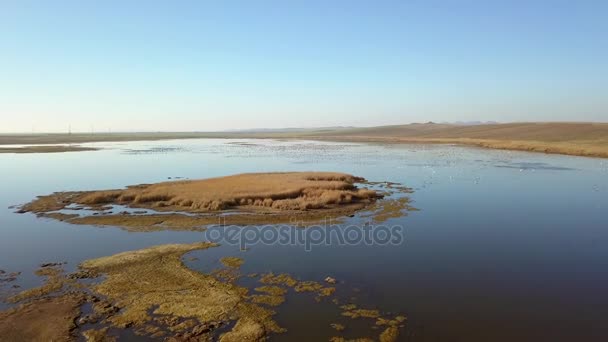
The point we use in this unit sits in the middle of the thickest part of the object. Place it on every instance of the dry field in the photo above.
(585, 139)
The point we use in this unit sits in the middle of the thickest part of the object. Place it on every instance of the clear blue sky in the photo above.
(212, 65)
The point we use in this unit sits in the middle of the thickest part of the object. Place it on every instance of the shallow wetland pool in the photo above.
(503, 245)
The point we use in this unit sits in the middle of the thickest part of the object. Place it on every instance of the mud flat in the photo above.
(243, 199)
(45, 319)
(45, 149)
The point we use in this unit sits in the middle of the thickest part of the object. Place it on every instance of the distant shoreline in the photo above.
(577, 139)
(45, 149)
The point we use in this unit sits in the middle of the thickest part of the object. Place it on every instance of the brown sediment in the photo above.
(7, 287)
(59, 216)
(45, 149)
(6, 277)
(234, 262)
(45, 319)
(156, 222)
(147, 223)
(48, 203)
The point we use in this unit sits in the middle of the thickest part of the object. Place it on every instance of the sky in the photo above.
(215, 65)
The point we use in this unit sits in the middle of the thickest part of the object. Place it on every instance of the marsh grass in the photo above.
(267, 191)
(297, 198)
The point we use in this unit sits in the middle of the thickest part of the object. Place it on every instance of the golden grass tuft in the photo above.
(295, 191)
(300, 198)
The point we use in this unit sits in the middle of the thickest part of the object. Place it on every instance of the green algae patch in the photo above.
(234, 262)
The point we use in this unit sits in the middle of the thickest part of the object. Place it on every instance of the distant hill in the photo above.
(510, 131)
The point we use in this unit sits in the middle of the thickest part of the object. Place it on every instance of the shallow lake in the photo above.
(504, 246)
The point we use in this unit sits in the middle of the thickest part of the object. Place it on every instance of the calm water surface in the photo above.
(506, 245)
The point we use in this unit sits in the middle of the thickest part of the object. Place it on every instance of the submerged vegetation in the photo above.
(152, 293)
(234, 262)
